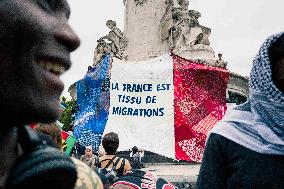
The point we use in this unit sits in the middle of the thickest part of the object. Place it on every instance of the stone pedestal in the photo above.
(201, 53)
(142, 29)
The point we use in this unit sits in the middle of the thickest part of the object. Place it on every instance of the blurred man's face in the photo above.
(35, 46)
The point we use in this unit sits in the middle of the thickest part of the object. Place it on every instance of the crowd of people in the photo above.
(245, 150)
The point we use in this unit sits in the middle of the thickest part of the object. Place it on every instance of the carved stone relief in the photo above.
(181, 27)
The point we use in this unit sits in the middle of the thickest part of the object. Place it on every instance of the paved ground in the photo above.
(175, 172)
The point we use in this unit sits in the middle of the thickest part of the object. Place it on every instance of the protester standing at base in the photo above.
(136, 158)
(35, 45)
(246, 149)
(88, 157)
(110, 144)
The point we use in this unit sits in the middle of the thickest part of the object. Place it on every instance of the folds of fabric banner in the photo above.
(93, 101)
(200, 102)
(165, 105)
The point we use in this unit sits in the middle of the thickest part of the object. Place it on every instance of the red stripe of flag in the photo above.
(200, 102)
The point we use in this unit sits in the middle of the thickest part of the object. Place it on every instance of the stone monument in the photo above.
(172, 27)
(156, 27)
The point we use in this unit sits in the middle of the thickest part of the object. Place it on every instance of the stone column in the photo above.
(142, 29)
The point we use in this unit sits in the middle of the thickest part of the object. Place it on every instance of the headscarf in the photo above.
(258, 124)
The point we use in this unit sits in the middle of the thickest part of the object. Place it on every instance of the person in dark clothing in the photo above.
(136, 158)
(246, 149)
(110, 144)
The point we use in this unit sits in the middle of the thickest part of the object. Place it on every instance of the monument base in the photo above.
(202, 54)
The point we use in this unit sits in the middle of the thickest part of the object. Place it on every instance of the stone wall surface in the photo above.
(238, 84)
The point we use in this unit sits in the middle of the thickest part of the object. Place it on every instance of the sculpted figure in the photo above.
(198, 40)
(181, 22)
(185, 26)
(202, 38)
(181, 27)
(101, 49)
(194, 16)
(167, 23)
(117, 38)
(206, 33)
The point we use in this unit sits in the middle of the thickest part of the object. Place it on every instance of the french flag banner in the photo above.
(165, 105)
(200, 102)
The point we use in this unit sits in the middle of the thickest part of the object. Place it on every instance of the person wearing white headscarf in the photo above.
(246, 149)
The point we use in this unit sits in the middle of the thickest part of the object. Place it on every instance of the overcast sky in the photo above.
(238, 29)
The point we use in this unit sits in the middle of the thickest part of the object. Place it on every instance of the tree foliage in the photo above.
(67, 116)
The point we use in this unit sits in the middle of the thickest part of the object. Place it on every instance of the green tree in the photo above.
(66, 117)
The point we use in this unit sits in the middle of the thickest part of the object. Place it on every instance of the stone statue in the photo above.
(220, 62)
(118, 41)
(202, 38)
(102, 49)
(194, 16)
(167, 23)
(181, 27)
(181, 30)
(206, 33)
(174, 22)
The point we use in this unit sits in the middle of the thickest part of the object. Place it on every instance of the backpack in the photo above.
(106, 174)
